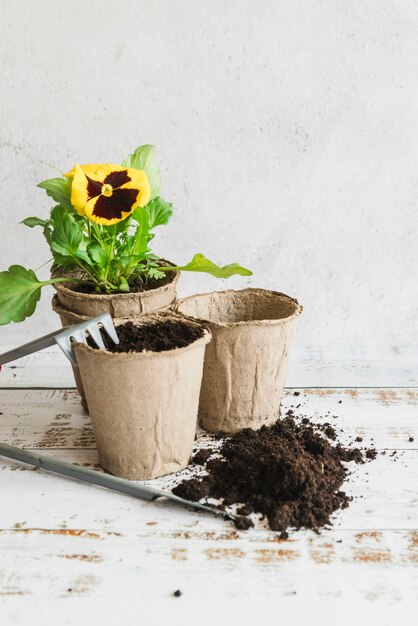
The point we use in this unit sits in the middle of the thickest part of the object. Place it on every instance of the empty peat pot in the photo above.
(143, 405)
(245, 363)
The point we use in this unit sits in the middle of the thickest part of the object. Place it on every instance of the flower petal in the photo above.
(108, 210)
(118, 178)
(90, 169)
(79, 190)
(139, 180)
(87, 197)
(107, 168)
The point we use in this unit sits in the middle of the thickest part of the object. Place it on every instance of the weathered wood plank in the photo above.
(138, 574)
(386, 418)
(48, 369)
(53, 420)
(384, 497)
(332, 366)
(44, 419)
(70, 549)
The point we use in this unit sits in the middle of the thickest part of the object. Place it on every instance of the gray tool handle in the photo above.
(28, 348)
(80, 473)
(102, 480)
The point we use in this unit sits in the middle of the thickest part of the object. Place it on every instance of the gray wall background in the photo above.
(287, 134)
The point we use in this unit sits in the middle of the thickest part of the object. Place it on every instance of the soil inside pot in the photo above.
(290, 472)
(137, 286)
(155, 337)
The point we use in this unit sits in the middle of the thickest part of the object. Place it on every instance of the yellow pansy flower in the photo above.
(108, 193)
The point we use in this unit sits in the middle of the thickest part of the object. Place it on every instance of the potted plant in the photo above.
(98, 233)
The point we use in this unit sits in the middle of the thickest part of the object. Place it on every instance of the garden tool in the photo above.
(65, 337)
(131, 488)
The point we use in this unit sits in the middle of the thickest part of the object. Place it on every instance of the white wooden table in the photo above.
(76, 554)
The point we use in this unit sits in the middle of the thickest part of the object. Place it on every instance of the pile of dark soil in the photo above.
(157, 337)
(136, 286)
(289, 472)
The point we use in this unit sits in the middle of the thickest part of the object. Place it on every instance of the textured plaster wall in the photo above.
(287, 134)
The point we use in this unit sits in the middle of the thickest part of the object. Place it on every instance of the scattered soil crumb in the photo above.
(411, 439)
(202, 456)
(243, 523)
(359, 439)
(245, 509)
(289, 472)
(330, 432)
(177, 593)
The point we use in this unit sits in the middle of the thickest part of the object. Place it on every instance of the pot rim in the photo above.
(77, 295)
(59, 310)
(255, 322)
(106, 354)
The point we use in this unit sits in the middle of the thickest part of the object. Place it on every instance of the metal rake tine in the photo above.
(64, 342)
(63, 339)
(95, 334)
(107, 324)
(78, 336)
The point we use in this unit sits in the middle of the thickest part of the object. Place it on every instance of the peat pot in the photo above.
(245, 363)
(75, 307)
(143, 405)
(119, 305)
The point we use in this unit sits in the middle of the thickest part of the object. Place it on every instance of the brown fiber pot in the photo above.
(74, 307)
(143, 405)
(119, 305)
(245, 363)
(68, 319)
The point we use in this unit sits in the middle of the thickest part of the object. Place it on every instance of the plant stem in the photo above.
(67, 279)
(81, 266)
(169, 268)
(43, 264)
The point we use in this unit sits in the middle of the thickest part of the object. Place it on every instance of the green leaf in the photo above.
(154, 272)
(123, 284)
(83, 256)
(200, 263)
(59, 189)
(97, 254)
(66, 235)
(140, 214)
(20, 291)
(66, 262)
(142, 234)
(144, 158)
(48, 233)
(159, 211)
(34, 221)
